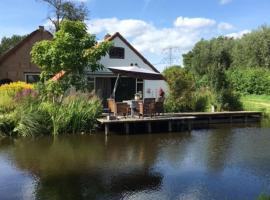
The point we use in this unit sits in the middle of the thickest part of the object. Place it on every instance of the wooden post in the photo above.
(127, 128)
(246, 118)
(107, 129)
(149, 127)
(189, 125)
(170, 126)
(178, 125)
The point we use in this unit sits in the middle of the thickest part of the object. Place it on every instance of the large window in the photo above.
(32, 77)
(117, 52)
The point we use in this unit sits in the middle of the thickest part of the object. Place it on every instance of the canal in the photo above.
(220, 162)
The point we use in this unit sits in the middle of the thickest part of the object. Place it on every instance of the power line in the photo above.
(171, 55)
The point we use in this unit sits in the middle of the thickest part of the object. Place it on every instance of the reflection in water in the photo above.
(219, 163)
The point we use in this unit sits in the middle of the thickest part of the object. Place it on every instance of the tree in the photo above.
(66, 10)
(72, 50)
(207, 54)
(182, 87)
(9, 42)
(253, 49)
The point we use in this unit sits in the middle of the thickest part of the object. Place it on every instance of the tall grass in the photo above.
(77, 113)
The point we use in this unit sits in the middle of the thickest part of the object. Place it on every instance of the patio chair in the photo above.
(118, 108)
(147, 107)
(159, 107)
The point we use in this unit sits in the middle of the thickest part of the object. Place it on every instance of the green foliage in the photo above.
(72, 50)
(181, 85)
(250, 80)
(7, 124)
(76, 113)
(9, 42)
(252, 50)
(6, 103)
(206, 55)
(263, 197)
(257, 103)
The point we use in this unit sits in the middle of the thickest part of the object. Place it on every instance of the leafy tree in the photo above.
(253, 49)
(72, 50)
(9, 42)
(208, 54)
(66, 10)
(181, 85)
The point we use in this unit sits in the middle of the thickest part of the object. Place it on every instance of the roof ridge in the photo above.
(7, 53)
(117, 34)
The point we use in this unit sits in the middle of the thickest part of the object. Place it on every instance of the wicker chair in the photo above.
(159, 107)
(147, 107)
(118, 108)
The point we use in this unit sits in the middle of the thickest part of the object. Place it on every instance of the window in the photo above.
(32, 77)
(117, 52)
(90, 83)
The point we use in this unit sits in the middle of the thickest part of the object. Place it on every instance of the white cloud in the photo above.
(238, 34)
(127, 27)
(223, 2)
(194, 23)
(148, 38)
(223, 26)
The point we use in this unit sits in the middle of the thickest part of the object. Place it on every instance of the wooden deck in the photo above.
(181, 119)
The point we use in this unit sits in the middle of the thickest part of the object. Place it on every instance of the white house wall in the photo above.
(151, 87)
(130, 57)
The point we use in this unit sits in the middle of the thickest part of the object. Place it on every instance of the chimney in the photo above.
(41, 28)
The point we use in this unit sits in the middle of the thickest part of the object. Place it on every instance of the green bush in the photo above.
(250, 80)
(202, 100)
(31, 120)
(6, 103)
(263, 197)
(182, 87)
(7, 125)
(76, 113)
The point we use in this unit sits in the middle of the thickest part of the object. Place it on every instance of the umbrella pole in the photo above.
(115, 86)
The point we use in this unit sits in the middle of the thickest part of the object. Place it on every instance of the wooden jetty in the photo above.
(178, 121)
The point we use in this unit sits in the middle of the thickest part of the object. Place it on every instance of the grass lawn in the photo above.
(257, 103)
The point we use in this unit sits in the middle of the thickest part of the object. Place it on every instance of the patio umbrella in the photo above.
(135, 72)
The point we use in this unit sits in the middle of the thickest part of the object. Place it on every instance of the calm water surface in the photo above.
(224, 162)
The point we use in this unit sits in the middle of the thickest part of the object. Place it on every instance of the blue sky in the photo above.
(150, 25)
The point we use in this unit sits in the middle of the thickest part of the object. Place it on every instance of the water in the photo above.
(224, 162)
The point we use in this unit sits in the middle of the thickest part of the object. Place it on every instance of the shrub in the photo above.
(182, 88)
(31, 120)
(9, 92)
(250, 80)
(7, 124)
(202, 100)
(6, 103)
(12, 88)
(77, 113)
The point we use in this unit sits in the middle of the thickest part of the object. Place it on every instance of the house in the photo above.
(123, 54)
(15, 65)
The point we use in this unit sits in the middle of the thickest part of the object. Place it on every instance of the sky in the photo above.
(154, 27)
